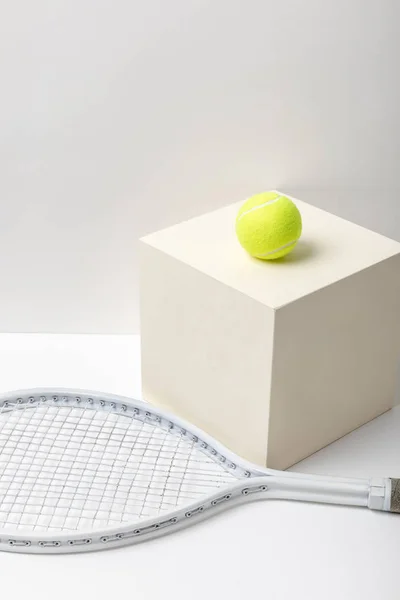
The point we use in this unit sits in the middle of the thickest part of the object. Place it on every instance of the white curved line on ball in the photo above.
(276, 250)
(258, 207)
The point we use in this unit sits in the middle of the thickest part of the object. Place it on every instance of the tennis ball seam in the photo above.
(258, 207)
(278, 249)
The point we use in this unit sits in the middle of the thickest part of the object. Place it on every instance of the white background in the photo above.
(119, 117)
(273, 550)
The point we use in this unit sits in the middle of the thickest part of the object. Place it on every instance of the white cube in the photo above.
(275, 359)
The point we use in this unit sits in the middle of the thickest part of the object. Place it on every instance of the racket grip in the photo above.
(395, 496)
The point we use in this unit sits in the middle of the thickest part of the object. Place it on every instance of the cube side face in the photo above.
(336, 358)
(206, 352)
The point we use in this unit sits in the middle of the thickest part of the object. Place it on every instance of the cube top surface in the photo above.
(329, 250)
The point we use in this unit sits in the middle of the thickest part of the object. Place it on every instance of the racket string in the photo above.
(86, 498)
(16, 475)
(44, 461)
(64, 468)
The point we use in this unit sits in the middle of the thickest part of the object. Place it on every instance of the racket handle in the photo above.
(395, 496)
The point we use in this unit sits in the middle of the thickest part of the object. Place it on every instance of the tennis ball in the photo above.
(268, 225)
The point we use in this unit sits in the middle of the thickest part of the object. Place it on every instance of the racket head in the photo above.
(83, 470)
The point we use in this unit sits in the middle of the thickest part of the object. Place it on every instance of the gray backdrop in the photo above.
(119, 118)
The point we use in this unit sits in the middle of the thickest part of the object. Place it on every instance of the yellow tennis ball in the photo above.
(268, 225)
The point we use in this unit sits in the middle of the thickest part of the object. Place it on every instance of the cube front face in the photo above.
(206, 353)
(336, 355)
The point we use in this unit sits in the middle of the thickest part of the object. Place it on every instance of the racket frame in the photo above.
(253, 482)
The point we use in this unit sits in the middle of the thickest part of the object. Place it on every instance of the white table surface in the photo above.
(276, 550)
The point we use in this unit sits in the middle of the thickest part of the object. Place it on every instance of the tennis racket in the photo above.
(86, 471)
